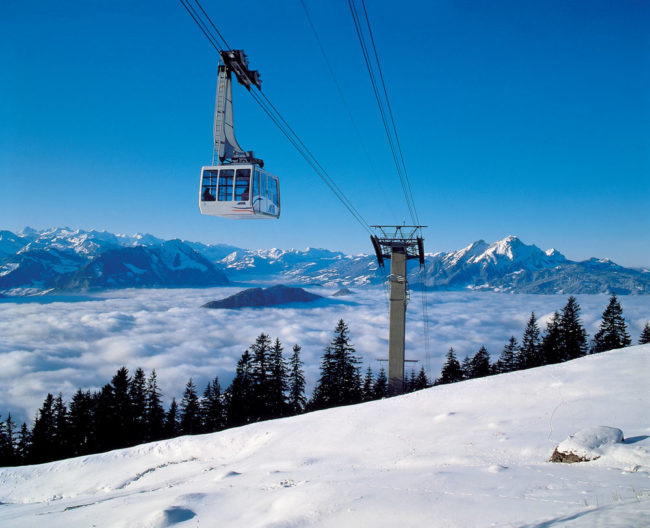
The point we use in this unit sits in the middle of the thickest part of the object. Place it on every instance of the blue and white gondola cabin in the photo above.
(239, 191)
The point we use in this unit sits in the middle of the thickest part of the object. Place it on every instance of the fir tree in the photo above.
(61, 428)
(106, 423)
(530, 349)
(613, 330)
(261, 372)
(410, 383)
(480, 363)
(23, 445)
(277, 382)
(3, 445)
(8, 455)
(172, 427)
(644, 338)
(43, 446)
(507, 361)
(368, 382)
(323, 395)
(466, 367)
(296, 400)
(190, 421)
(119, 418)
(421, 381)
(138, 397)
(340, 381)
(553, 350)
(573, 335)
(239, 394)
(154, 412)
(82, 424)
(380, 387)
(451, 370)
(212, 412)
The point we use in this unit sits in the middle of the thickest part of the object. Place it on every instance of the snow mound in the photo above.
(587, 444)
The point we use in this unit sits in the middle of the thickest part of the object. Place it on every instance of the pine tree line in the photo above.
(564, 339)
(129, 410)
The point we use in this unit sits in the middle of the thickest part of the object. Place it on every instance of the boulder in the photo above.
(587, 444)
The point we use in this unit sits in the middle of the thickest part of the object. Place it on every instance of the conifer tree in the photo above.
(421, 381)
(23, 445)
(296, 399)
(324, 393)
(368, 382)
(61, 428)
(573, 335)
(3, 445)
(119, 420)
(530, 349)
(82, 423)
(380, 387)
(154, 411)
(261, 372)
(553, 350)
(190, 420)
(8, 455)
(240, 393)
(480, 363)
(451, 370)
(644, 338)
(613, 330)
(411, 382)
(106, 423)
(277, 382)
(137, 395)
(466, 367)
(340, 381)
(172, 427)
(212, 411)
(507, 361)
(43, 446)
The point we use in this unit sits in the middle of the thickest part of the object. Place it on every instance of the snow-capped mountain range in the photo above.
(64, 259)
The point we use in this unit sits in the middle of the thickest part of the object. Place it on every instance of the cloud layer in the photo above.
(56, 347)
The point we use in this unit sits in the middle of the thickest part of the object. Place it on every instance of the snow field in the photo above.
(464, 455)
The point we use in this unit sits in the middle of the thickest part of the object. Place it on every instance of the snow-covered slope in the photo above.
(471, 454)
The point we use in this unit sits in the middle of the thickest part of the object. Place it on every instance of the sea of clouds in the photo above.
(59, 344)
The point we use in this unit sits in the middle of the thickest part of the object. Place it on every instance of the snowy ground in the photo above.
(59, 344)
(471, 454)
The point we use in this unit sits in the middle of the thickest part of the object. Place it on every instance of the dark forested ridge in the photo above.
(261, 297)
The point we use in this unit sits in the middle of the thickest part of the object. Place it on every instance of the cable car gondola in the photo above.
(237, 187)
(239, 190)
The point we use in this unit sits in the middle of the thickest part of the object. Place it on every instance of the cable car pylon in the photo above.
(399, 244)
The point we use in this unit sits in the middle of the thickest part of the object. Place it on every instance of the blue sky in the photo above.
(526, 118)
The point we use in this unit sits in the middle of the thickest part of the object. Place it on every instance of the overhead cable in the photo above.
(345, 104)
(274, 114)
(384, 109)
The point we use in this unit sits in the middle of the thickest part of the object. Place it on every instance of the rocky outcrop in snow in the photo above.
(587, 444)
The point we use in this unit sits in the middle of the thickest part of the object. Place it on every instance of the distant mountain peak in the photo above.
(38, 261)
